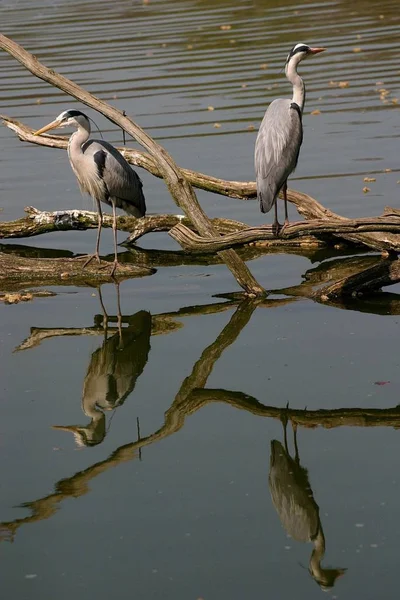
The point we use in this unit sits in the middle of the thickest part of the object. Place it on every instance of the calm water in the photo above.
(167, 476)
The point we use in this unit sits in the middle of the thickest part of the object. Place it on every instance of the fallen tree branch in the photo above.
(192, 242)
(39, 222)
(16, 271)
(180, 189)
(308, 207)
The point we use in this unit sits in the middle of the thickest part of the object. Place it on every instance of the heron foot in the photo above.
(276, 228)
(114, 268)
(91, 257)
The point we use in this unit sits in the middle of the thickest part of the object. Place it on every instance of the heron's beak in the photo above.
(51, 125)
(316, 50)
(73, 428)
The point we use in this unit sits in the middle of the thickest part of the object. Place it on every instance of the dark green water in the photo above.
(162, 485)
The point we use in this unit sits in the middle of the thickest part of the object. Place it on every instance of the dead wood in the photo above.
(180, 189)
(192, 242)
(17, 272)
(39, 222)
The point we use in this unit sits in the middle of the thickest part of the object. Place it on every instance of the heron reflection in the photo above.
(111, 376)
(298, 512)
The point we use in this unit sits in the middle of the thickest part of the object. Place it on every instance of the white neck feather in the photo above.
(299, 91)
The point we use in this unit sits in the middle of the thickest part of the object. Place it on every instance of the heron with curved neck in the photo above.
(280, 137)
(102, 172)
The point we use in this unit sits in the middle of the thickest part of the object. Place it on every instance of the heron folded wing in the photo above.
(277, 149)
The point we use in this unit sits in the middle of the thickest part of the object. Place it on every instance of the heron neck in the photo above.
(317, 554)
(299, 90)
(76, 141)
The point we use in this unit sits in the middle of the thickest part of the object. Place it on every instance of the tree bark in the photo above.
(17, 272)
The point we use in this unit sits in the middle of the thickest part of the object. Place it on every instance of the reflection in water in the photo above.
(191, 397)
(111, 376)
(298, 512)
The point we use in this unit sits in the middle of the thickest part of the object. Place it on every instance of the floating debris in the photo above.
(340, 84)
(381, 382)
(264, 66)
(210, 108)
(225, 27)
(315, 112)
(357, 49)
(366, 190)
(251, 127)
(387, 170)
(217, 125)
(369, 179)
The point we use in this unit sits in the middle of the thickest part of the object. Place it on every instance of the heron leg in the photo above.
(284, 421)
(296, 448)
(284, 189)
(276, 226)
(114, 226)
(96, 255)
(105, 314)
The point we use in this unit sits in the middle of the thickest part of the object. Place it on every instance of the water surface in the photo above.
(160, 480)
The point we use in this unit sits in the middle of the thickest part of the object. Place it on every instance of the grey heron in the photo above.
(102, 172)
(111, 376)
(280, 137)
(298, 512)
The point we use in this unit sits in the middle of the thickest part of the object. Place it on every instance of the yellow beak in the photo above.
(51, 125)
(317, 50)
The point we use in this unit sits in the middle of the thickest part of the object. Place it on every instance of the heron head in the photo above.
(68, 118)
(301, 51)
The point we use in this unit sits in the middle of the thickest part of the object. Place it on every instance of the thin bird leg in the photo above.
(96, 255)
(114, 226)
(284, 421)
(296, 448)
(276, 226)
(285, 201)
(105, 314)
(119, 318)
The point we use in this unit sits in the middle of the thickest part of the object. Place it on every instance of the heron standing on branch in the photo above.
(280, 136)
(102, 172)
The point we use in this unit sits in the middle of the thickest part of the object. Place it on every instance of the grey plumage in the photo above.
(277, 150)
(280, 137)
(120, 183)
(102, 172)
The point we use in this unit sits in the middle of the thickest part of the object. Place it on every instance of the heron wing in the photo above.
(122, 183)
(277, 149)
